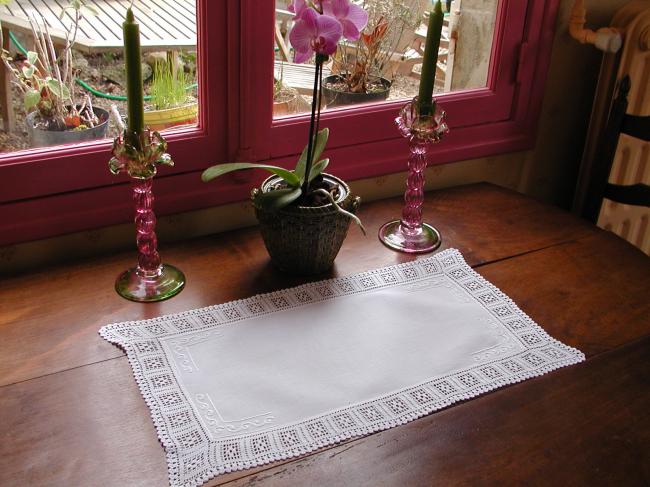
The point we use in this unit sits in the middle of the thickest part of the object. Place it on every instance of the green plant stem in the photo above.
(320, 102)
(312, 124)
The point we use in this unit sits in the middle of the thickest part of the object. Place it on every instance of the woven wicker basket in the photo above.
(305, 240)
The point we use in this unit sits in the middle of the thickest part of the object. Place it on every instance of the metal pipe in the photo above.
(606, 39)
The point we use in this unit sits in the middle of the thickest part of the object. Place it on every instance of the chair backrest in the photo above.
(637, 193)
(620, 180)
(418, 7)
(603, 184)
(615, 167)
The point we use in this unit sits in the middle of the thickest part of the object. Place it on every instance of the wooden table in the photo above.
(72, 414)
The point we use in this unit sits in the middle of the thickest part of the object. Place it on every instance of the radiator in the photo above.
(632, 160)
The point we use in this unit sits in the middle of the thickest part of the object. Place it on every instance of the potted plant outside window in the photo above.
(56, 115)
(170, 104)
(285, 98)
(363, 69)
(304, 213)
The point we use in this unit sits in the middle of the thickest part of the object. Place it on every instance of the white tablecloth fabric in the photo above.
(266, 378)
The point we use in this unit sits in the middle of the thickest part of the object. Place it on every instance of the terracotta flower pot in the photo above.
(305, 240)
(287, 105)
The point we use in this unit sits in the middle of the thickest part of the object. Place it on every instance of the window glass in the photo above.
(385, 63)
(85, 38)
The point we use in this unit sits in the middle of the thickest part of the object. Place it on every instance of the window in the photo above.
(385, 63)
(53, 190)
(88, 76)
(498, 118)
(50, 191)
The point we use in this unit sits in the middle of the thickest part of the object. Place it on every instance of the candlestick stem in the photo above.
(410, 234)
(145, 223)
(150, 280)
(414, 195)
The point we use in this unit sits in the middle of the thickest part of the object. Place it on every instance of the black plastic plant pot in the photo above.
(46, 138)
(335, 98)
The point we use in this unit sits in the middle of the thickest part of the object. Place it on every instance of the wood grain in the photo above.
(49, 320)
(593, 293)
(86, 423)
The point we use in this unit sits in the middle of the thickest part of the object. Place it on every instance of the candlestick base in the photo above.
(419, 240)
(138, 285)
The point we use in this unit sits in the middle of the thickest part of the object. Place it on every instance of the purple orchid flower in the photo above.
(353, 18)
(314, 33)
(298, 7)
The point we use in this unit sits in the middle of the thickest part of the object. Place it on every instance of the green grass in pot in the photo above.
(168, 88)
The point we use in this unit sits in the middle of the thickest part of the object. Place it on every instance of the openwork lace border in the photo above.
(193, 458)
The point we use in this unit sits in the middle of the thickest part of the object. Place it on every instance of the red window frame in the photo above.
(49, 192)
(364, 141)
(52, 191)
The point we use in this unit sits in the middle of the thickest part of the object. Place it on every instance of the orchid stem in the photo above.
(312, 124)
(320, 102)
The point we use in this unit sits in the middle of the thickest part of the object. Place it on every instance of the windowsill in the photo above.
(504, 171)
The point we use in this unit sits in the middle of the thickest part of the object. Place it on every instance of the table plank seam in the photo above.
(475, 266)
(122, 355)
(527, 252)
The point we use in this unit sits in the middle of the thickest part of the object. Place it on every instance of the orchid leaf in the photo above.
(277, 198)
(318, 168)
(319, 147)
(221, 169)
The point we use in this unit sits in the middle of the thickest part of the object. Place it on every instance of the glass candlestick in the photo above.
(150, 280)
(410, 234)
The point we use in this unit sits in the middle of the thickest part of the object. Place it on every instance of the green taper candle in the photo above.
(133, 60)
(428, 75)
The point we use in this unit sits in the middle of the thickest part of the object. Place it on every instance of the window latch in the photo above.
(521, 61)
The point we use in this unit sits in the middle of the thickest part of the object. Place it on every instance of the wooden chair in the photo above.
(282, 20)
(298, 76)
(6, 110)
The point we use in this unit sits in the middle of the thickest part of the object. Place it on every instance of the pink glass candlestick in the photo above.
(410, 234)
(150, 280)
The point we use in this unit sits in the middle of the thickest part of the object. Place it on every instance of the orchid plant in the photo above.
(318, 27)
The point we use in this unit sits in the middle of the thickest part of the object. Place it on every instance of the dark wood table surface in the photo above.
(71, 414)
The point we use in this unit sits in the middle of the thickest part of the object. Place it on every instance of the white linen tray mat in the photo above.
(277, 375)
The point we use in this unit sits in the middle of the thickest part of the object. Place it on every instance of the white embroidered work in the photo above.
(201, 441)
